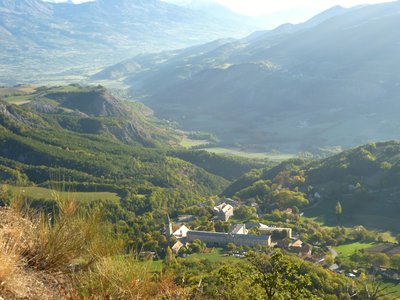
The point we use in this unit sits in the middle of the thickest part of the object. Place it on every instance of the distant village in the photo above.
(261, 236)
(266, 235)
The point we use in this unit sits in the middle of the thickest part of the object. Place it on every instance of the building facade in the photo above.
(222, 238)
(224, 211)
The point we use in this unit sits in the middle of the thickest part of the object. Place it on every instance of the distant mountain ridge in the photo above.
(23, 6)
(331, 81)
(65, 39)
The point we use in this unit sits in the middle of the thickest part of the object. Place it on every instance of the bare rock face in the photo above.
(42, 107)
(3, 109)
(9, 111)
(93, 103)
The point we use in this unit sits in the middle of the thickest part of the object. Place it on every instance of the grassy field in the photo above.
(216, 255)
(43, 193)
(254, 155)
(348, 249)
(18, 100)
(189, 143)
(17, 89)
(154, 266)
(395, 288)
(17, 95)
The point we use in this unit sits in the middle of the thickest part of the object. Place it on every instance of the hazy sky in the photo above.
(265, 7)
(273, 13)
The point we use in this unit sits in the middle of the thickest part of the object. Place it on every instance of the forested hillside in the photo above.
(365, 180)
(98, 138)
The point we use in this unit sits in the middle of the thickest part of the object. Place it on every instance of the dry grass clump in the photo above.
(124, 277)
(61, 239)
(37, 251)
(9, 263)
(16, 281)
(12, 233)
(117, 277)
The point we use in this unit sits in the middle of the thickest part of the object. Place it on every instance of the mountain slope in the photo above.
(298, 89)
(363, 179)
(65, 39)
(97, 142)
(94, 139)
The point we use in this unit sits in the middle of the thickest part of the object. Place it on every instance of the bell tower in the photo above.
(169, 230)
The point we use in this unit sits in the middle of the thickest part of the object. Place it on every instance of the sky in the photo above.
(277, 12)
(267, 7)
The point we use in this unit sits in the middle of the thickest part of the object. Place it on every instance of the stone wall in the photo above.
(222, 239)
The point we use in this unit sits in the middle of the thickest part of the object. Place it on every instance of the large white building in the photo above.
(224, 211)
(223, 238)
(238, 236)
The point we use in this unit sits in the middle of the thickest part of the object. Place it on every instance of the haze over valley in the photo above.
(192, 149)
(66, 41)
(296, 88)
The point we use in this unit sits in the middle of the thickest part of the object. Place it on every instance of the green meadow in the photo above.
(48, 194)
(348, 249)
(248, 154)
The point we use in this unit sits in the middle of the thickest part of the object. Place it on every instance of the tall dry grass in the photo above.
(73, 234)
(9, 262)
(13, 231)
(125, 277)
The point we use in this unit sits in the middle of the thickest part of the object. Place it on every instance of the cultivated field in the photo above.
(215, 255)
(48, 194)
(348, 249)
(255, 155)
(189, 143)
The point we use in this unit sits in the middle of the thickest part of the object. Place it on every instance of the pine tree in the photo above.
(170, 258)
(339, 211)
